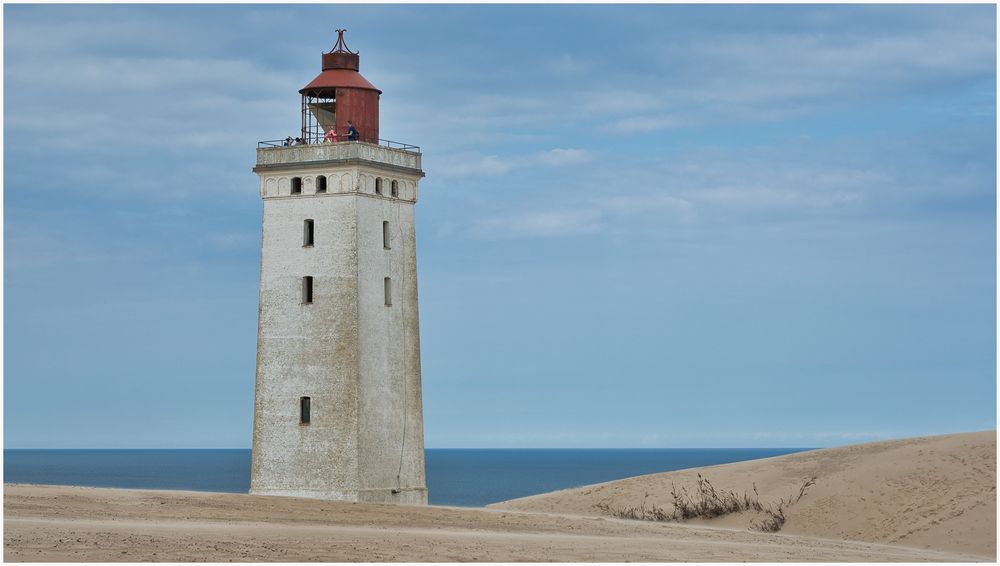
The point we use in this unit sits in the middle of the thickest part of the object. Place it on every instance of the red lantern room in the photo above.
(337, 96)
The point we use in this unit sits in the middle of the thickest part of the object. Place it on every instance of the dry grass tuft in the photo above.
(708, 502)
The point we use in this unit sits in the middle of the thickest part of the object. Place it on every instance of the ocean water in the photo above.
(461, 477)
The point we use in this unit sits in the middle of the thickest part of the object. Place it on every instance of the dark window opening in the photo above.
(388, 292)
(378, 185)
(395, 189)
(296, 185)
(307, 289)
(321, 184)
(304, 403)
(307, 233)
(385, 235)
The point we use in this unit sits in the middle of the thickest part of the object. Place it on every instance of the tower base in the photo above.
(403, 496)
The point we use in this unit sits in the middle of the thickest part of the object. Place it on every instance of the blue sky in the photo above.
(641, 226)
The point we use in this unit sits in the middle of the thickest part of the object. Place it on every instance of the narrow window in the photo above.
(388, 292)
(307, 233)
(304, 410)
(321, 184)
(395, 189)
(378, 185)
(385, 235)
(296, 185)
(307, 289)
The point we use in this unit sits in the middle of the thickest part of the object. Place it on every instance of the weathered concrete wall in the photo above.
(390, 437)
(356, 358)
(307, 350)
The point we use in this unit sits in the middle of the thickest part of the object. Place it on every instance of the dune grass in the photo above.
(707, 502)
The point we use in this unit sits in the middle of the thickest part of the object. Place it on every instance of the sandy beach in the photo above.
(922, 499)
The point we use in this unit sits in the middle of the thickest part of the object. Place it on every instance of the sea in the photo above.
(458, 477)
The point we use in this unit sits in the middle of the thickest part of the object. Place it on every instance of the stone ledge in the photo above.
(337, 153)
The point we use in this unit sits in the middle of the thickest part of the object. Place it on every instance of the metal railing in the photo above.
(286, 143)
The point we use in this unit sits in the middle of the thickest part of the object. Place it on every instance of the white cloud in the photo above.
(77, 30)
(567, 64)
(154, 75)
(748, 72)
(773, 198)
(703, 189)
(641, 124)
(225, 241)
(560, 157)
(470, 164)
(618, 101)
(475, 165)
(659, 203)
(538, 224)
(597, 216)
(31, 247)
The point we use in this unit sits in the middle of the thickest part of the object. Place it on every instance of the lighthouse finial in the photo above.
(341, 46)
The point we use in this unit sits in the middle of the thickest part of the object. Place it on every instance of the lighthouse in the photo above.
(338, 407)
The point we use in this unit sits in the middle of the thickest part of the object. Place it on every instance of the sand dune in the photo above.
(90, 524)
(881, 499)
(930, 492)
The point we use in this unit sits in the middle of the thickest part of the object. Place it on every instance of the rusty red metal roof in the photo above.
(342, 78)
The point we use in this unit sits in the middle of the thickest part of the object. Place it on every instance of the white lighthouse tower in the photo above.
(338, 409)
